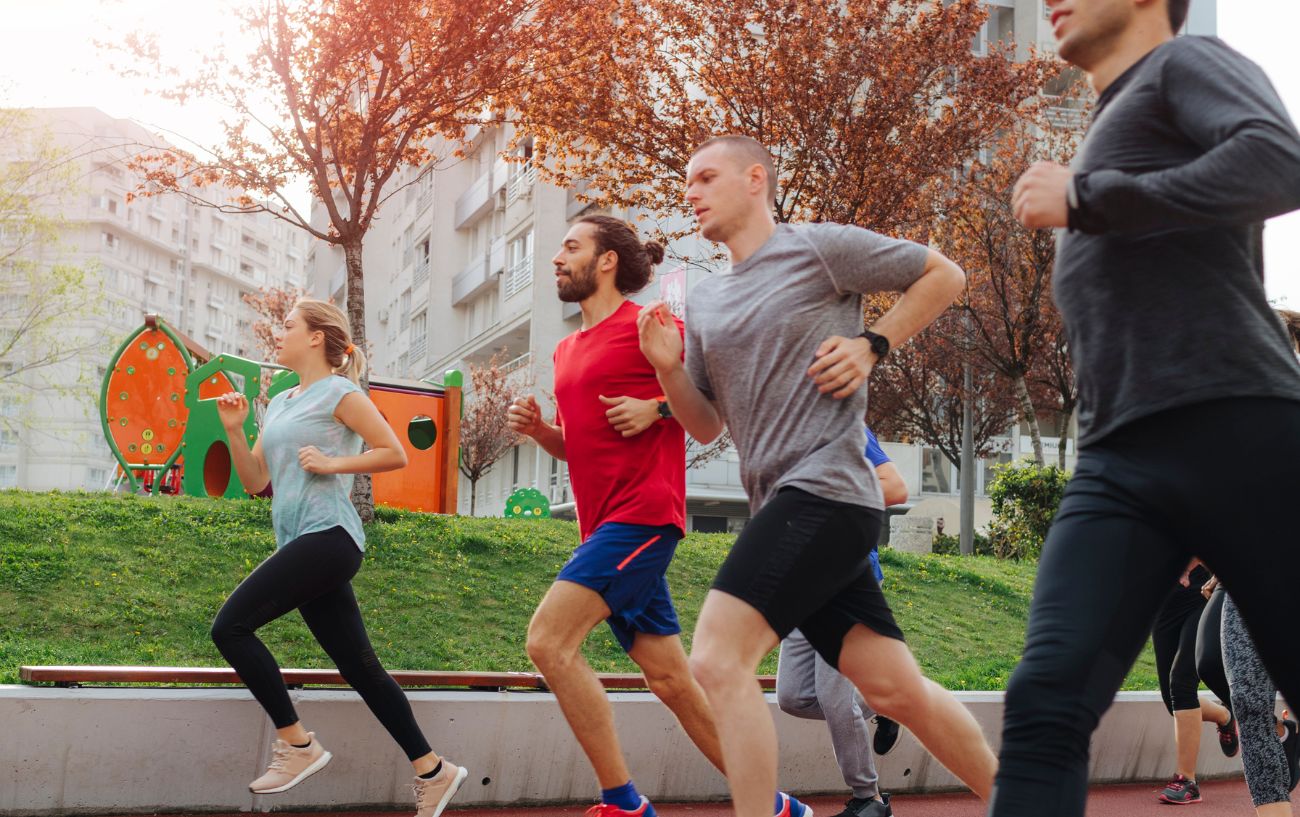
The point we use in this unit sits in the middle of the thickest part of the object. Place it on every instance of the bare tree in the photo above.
(45, 299)
(485, 435)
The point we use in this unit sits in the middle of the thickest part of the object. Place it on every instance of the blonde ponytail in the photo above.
(342, 356)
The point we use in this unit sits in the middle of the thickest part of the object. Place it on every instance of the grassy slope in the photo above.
(95, 579)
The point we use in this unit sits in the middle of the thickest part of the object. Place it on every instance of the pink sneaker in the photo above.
(433, 795)
(290, 766)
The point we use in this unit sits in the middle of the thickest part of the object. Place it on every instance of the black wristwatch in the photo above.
(664, 411)
(879, 343)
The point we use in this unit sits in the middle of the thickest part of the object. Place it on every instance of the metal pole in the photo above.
(967, 541)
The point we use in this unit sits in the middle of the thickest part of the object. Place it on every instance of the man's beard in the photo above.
(580, 284)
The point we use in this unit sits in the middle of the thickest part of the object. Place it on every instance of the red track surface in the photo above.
(1221, 798)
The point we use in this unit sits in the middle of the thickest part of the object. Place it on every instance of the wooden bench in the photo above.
(75, 676)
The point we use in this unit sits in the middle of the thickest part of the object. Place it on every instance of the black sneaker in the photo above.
(1181, 792)
(1291, 745)
(886, 737)
(1229, 739)
(866, 807)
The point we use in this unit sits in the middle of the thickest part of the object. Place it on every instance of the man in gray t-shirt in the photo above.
(773, 351)
(750, 341)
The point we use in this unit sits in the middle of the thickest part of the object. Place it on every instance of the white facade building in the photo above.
(188, 264)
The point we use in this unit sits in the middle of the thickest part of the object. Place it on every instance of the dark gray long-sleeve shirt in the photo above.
(1159, 278)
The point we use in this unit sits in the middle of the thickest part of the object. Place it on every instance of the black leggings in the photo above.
(1122, 536)
(1209, 648)
(1174, 639)
(312, 574)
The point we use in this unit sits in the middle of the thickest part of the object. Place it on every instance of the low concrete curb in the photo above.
(140, 750)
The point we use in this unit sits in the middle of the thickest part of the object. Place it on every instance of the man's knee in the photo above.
(546, 645)
(717, 671)
(894, 699)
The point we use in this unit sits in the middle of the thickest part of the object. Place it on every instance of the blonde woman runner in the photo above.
(309, 448)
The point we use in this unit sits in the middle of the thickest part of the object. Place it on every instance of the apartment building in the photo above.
(189, 264)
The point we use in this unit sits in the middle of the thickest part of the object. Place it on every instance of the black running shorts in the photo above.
(803, 562)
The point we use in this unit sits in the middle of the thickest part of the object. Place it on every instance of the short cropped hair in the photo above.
(1178, 13)
(750, 153)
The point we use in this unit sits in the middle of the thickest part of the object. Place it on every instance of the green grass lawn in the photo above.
(98, 579)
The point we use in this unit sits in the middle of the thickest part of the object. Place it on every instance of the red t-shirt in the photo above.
(638, 480)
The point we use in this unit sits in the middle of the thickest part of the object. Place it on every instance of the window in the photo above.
(109, 240)
(936, 472)
(96, 479)
(8, 440)
(8, 476)
(406, 309)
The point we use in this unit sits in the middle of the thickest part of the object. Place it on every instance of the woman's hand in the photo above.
(313, 461)
(232, 409)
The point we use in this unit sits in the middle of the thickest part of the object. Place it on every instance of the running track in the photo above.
(1221, 798)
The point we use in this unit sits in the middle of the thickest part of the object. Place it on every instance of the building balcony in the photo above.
(421, 273)
(497, 256)
(574, 206)
(475, 202)
(472, 280)
(500, 174)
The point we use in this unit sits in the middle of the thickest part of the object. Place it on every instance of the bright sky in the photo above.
(50, 60)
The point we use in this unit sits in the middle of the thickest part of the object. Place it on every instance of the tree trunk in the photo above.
(1030, 418)
(363, 498)
(473, 495)
(1065, 437)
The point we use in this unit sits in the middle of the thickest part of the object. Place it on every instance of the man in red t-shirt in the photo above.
(627, 464)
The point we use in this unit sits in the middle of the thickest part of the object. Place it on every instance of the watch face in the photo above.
(664, 411)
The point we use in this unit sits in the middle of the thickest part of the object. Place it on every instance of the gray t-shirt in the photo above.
(750, 337)
(305, 502)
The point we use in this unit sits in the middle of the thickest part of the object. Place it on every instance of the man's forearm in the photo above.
(1252, 177)
(695, 412)
(551, 439)
(923, 301)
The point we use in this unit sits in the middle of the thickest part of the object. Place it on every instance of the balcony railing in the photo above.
(519, 276)
(523, 361)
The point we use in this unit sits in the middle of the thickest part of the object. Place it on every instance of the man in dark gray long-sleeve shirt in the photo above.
(1159, 280)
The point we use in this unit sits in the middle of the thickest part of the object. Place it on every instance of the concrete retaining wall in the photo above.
(114, 750)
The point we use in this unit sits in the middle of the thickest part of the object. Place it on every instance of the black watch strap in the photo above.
(664, 411)
(879, 343)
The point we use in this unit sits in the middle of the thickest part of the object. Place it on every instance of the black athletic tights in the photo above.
(312, 574)
(1142, 501)
(1174, 639)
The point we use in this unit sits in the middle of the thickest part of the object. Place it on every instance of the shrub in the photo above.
(951, 545)
(1025, 498)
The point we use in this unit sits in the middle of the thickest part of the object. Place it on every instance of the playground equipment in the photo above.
(526, 503)
(159, 416)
